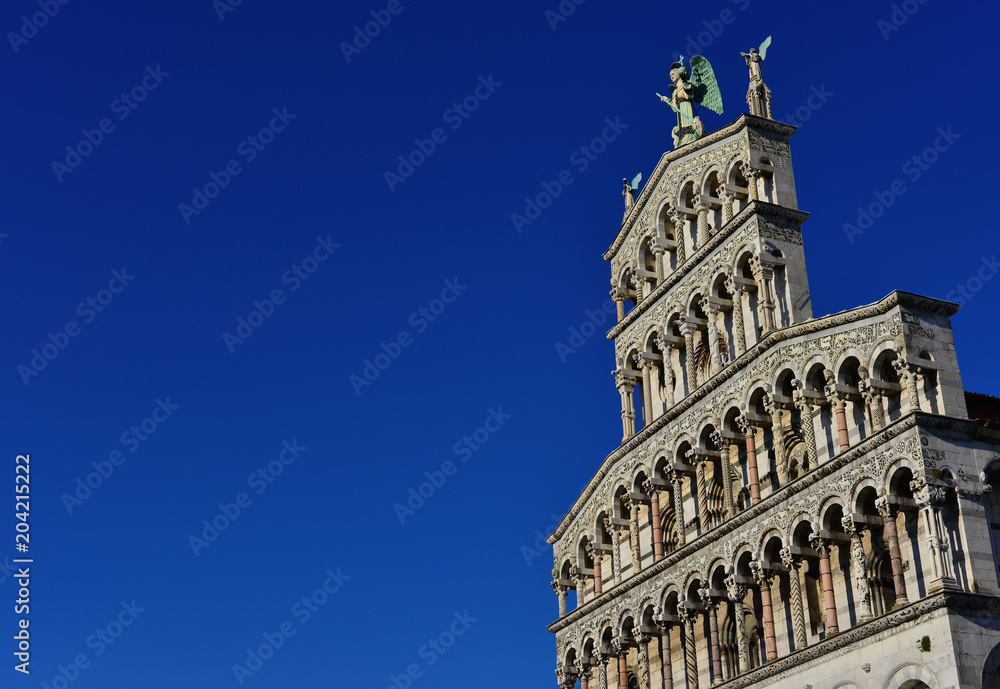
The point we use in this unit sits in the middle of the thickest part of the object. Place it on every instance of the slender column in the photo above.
(727, 205)
(668, 368)
(864, 594)
(619, 300)
(659, 251)
(583, 672)
(654, 515)
(602, 671)
(621, 651)
(687, 330)
(625, 387)
(579, 583)
(596, 555)
(699, 468)
(677, 479)
(690, 651)
(888, 513)
(616, 553)
(806, 409)
(712, 311)
(722, 445)
(795, 594)
(778, 436)
(762, 273)
(560, 592)
(644, 365)
(643, 652)
(713, 634)
(736, 593)
(702, 209)
(873, 399)
(633, 534)
(763, 577)
(679, 219)
(751, 441)
(751, 175)
(666, 662)
(822, 546)
(839, 404)
(930, 499)
(736, 289)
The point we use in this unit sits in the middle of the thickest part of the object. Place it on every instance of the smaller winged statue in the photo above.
(758, 95)
(630, 189)
(697, 87)
(754, 58)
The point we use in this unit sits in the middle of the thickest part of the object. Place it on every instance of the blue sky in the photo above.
(241, 167)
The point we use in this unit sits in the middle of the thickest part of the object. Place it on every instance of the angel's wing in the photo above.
(636, 180)
(762, 50)
(706, 89)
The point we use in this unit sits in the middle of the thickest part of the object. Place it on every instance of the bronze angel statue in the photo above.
(697, 87)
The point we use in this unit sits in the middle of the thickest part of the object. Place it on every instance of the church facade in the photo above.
(797, 501)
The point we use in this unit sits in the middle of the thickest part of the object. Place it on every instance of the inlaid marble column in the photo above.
(616, 550)
(712, 312)
(888, 513)
(762, 577)
(654, 515)
(625, 388)
(722, 444)
(806, 411)
(736, 289)
(702, 209)
(596, 555)
(736, 594)
(930, 499)
(676, 479)
(822, 547)
(699, 468)
(862, 592)
(689, 615)
(679, 220)
(688, 330)
(602, 670)
(666, 662)
(712, 610)
(642, 640)
(778, 438)
(751, 441)
(727, 198)
(795, 598)
(633, 533)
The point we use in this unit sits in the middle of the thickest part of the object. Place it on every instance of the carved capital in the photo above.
(789, 560)
(746, 426)
(736, 592)
(885, 509)
(819, 544)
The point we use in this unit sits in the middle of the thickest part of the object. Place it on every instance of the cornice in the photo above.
(762, 208)
(743, 122)
(818, 325)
